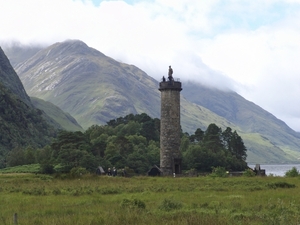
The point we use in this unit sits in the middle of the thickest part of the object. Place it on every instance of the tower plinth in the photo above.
(170, 155)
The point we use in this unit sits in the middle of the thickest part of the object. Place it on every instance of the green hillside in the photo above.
(65, 120)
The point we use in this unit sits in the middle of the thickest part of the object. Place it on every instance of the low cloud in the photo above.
(251, 47)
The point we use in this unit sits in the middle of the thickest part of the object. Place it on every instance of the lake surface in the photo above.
(276, 169)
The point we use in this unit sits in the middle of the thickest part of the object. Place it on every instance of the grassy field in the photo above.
(41, 199)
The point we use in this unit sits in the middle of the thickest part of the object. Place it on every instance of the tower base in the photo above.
(176, 168)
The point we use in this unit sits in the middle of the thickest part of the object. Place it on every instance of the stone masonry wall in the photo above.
(170, 129)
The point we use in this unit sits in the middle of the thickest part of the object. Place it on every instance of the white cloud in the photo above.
(251, 46)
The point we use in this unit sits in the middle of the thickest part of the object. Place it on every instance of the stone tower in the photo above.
(170, 156)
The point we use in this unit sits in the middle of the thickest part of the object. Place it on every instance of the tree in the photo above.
(212, 138)
(199, 135)
(226, 138)
(123, 145)
(44, 155)
(131, 128)
(195, 158)
(138, 162)
(214, 148)
(137, 139)
(238, 147)
(153, 153)
(99, 145)
(29, 155)
(148, 131)
(16, 157)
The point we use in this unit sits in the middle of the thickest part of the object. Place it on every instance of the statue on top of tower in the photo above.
(170, 74)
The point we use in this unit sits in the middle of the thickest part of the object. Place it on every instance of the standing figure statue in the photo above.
(170, 73)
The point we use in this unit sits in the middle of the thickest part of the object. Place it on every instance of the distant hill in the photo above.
(95, 88)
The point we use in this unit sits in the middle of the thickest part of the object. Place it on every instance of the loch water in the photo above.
(276, 169)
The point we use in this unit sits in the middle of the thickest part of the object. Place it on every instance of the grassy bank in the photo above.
(40, 199)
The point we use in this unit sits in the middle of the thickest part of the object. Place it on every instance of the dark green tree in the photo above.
(212, 138)
(29, 155)
(16, 157)
(238, 147)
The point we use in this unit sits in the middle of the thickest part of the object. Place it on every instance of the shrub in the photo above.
(47, 168)
(56, 191)
(169, 204)
(35, 191)
(292, 172)
(78, 171)
(219, 172)
(249, 173)
(280, 185)
(110, 191)
(133, 203)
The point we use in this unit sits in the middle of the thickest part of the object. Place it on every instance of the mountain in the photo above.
(95, 88)
(85, 83)
(21, 124)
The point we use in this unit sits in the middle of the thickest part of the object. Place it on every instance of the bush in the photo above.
(249, 173)
(169, 204)
(219, 172)
(280, 185)
(78, 171)
(47, 168)
(292, 172)
(35, 191)
(133, 203)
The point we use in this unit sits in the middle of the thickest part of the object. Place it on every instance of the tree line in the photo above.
(133, 142)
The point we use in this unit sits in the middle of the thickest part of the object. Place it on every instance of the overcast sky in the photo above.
(249, 46)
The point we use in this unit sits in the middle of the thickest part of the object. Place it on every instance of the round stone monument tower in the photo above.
(170, 156)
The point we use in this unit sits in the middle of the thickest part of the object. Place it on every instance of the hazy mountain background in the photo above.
(94, 89)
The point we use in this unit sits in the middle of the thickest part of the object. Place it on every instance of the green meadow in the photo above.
(91, 199)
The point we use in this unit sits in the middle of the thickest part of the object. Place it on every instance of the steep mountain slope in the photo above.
(10, 79)
(20, 123)
(95, 88)
(84, 82)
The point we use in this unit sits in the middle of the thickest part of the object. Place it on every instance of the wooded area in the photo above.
(132, 142)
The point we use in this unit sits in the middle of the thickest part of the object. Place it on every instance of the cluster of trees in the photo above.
(213, 148)
(133, 141)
